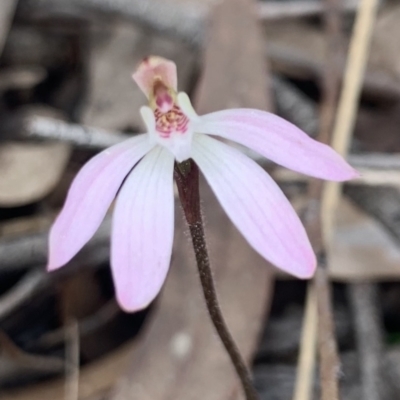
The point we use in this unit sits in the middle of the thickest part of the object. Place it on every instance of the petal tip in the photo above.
(355, 174)
(52, 266)
(349, 174)
(129, 304)
(307, 272)
(306, 264)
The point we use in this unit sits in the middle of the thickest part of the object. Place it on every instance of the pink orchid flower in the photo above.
(141, 169)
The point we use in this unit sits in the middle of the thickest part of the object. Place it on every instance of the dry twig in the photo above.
(348, 104)
(306, 364)
(322, 310)
(343, 128)
(328, 354)
(364, 301)
(72, 361)
(50, 128)
(22, 291)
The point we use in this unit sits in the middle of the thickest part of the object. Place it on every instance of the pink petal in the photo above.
(143, 228)
(279, 141)
(155, 68)
(256, 206)
(90, 196)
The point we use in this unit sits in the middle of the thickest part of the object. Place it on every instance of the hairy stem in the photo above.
(187, 179)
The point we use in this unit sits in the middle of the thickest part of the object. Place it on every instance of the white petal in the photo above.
(256, 205)
(90, 196)
(143, 228)
(278, 140)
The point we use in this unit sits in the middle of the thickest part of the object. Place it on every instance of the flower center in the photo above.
(172, 121)
(168, 115)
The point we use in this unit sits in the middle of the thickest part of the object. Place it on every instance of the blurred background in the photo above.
(66, 65)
